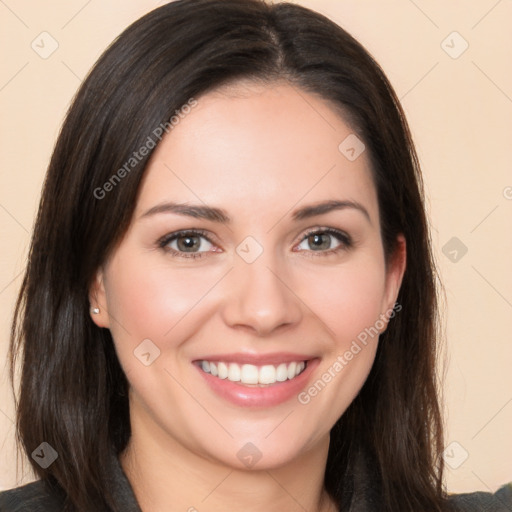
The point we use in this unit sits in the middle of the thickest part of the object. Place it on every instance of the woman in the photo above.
(230, 300)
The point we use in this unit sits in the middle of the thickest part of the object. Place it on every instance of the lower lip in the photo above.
(255, 396)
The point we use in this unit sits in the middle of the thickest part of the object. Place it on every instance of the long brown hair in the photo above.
(73, 392)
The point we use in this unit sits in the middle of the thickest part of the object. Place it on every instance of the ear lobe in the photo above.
(98, 301)
(395, 273)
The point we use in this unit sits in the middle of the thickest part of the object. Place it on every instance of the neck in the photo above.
(165, 475)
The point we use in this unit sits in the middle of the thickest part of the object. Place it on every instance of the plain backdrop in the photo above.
(450, 65)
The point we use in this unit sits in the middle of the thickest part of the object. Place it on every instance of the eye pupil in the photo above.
(188, 242)
(317, 242)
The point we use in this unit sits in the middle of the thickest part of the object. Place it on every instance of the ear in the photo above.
(394, 276)
(98, 301)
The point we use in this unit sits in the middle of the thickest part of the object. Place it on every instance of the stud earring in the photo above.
(96, 311)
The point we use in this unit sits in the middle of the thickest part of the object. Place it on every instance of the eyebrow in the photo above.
(328, 206)
(221, 216)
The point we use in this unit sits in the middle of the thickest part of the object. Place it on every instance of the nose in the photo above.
(260, 297)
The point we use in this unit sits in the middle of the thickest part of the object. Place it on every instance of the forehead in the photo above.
(266, 147)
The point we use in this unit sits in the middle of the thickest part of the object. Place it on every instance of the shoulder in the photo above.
(500, 501)
(33, 497)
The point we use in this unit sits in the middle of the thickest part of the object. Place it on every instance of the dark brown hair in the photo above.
(73, 392)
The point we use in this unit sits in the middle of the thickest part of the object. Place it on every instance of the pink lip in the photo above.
(262, 397)
(257, 359)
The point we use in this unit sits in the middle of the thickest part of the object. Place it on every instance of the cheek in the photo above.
(148, 299)
(349, 303)
(348, 299)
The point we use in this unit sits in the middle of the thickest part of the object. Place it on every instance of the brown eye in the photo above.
(321, 241)
(325, 240)
(186, 243)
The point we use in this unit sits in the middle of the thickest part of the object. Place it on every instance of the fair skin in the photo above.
(259, 153)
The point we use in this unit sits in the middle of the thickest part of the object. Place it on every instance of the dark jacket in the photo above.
(34, 497)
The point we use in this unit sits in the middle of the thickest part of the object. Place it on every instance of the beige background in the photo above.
(460, 111)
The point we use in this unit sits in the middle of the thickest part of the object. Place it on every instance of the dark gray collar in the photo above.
(125, 497)
(36, 496)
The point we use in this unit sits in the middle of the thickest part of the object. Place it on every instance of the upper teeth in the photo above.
(251, 374)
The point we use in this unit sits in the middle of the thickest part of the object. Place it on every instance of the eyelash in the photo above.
(343, 238)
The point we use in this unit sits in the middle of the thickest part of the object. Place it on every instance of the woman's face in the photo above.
(247, 336)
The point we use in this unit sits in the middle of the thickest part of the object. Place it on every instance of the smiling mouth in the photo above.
(252, 375)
